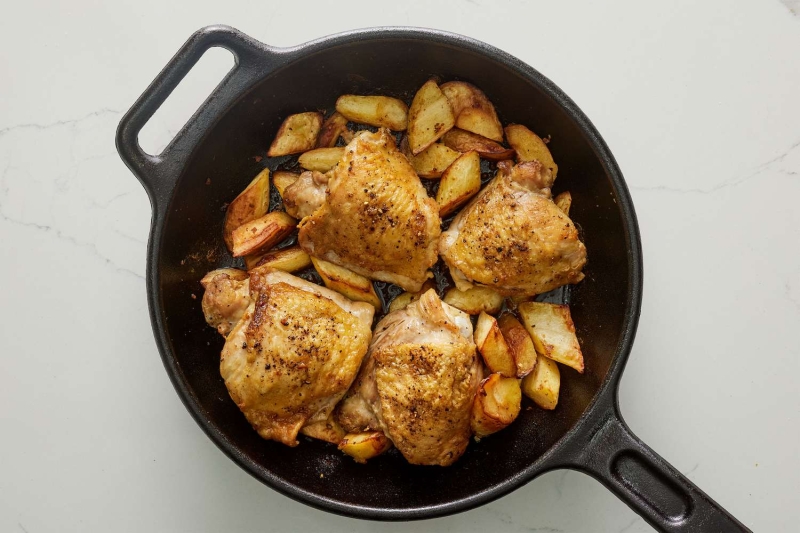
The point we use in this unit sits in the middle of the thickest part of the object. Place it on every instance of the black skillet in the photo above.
(219, 151)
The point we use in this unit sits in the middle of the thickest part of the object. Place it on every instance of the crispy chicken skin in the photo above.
(226, 297)
(418, 382)
(294, 353)
(512, 237)
(378, 221)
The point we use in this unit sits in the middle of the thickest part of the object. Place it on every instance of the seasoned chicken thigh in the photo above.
(226, 297)
(377, 219)
(418, 382)
(294, 353)
(512, 237)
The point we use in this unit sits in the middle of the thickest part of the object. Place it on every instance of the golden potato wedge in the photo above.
(282, 179)
(328, 430)
(252, 203)
(364, 446)
(297, 134)
(473, 110)
(429, 117)
(432, 161)
(262, 233)
(332, 129)
(348, 283)
(529, 146)
(289, 259)
(553, 332)
(564, 202)
(496, 405)
(460, 182)
(464, 141)
(475, 300)
(542, 385)
(378, 111)
(519, 343)
(493, 347)
(321, 159)
(402, 300)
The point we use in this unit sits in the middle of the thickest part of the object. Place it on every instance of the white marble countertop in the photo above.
(700, 103)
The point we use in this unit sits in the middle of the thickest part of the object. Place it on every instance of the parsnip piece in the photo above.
(364, 446)
(252, 203)
(297, 134)
(493, 347)
(262, 233)
(497, 404)
(321, 159)
(464, 141)
(429, 117)
(519, 343)
(473, 110)
(473, 301)
(529, 146)
(553, 332)
(348, 283)
(460, 182)
(542, 385)
(288, 259)
(378, 111)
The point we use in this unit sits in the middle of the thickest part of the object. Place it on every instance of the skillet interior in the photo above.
(191, 244)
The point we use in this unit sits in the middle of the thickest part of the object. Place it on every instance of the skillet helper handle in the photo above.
(157, 173)
(652, 487)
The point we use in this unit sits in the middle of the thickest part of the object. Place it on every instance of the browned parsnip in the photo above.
(252, 203)
(297, 134)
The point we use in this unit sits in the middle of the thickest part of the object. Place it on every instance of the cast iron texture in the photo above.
(217, 153)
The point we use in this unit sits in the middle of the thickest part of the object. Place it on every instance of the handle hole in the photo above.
(665, 496)
(185, 100)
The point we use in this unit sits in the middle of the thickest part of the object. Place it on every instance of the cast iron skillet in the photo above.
(216, 155)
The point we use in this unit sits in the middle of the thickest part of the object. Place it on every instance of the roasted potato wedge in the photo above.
(282, 179)
(519, 343)
(429, 117)
(297, 134)
(321, 159)
(496, 405)
(348, 283)
(553, 332)
(542, 385)
(364, 446)
(564, 202)
(432, 161)
(378, 111)
(460, 182)
(475, 300)
(262, 233)
(402, 300)
(252, 203)
(493, 347)
(332, 129)
(288, 259)
(529, 146)
(464, 141)
(473, 110)
(328, 430)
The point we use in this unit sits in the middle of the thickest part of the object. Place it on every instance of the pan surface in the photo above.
(223, 147)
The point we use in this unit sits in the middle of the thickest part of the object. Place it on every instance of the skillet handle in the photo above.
(653, 488)
(159, 173)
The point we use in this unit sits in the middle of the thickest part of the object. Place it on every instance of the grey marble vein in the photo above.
(730, 182)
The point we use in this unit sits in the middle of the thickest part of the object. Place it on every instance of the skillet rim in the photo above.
(606, 393)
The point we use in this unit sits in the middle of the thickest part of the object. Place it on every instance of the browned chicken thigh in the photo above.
(376, 220)
(512, 237)
(293, 354)
(418, 382)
